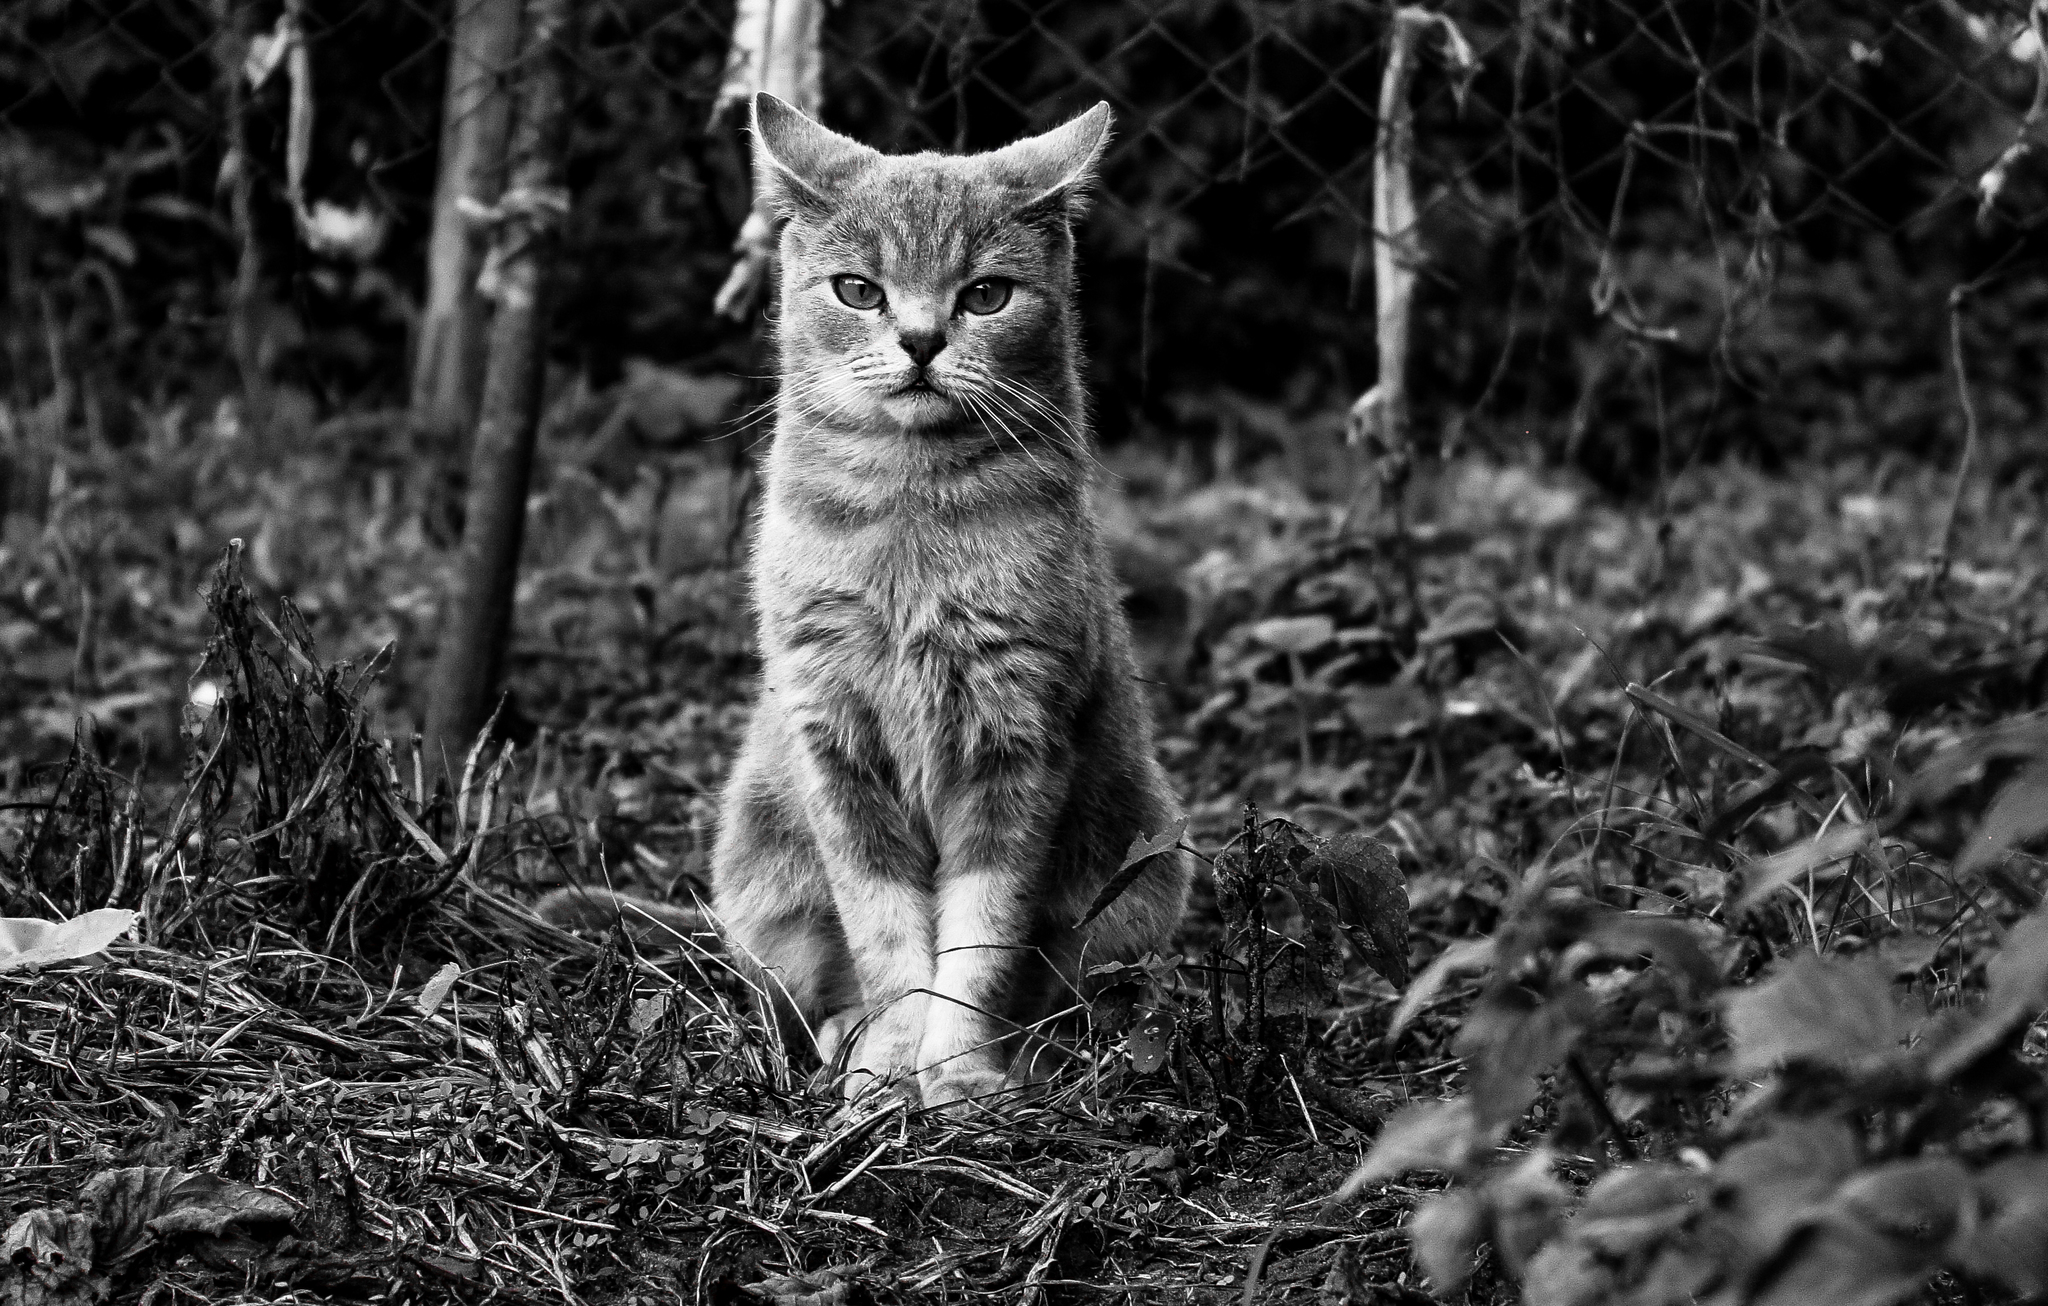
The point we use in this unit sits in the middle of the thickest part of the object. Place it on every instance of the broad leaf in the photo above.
(1568, 1273)
(1528, 1207)
(1462, 957)
(1445, 1232)
(1822, 856)
(1637, 1207)
(1819, 1009)
(2010, 1241)
(1421, 1136)
(1842, 1262)
(1952, 768)
(1464, 616)
(1768, 1185)
(1362, 882)
(2018, 814)
(1511, 1039)
(1921, 1202)
(1671, 943)
(27, 941)
(2019, 990)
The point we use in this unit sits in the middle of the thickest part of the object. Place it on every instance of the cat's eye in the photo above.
(857, 292)
(985, 297)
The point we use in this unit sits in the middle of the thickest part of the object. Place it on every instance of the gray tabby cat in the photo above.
(950, 753)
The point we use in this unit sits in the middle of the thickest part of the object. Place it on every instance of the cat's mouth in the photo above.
(917, 385)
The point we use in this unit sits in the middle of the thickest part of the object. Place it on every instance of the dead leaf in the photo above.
(46, 1259)
(144, 1205)
(436, 990)
(26, 941)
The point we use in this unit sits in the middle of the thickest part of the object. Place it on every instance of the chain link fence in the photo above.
(1647, 231)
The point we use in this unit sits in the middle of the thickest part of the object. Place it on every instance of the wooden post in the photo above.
(527, 221)
(449, 356)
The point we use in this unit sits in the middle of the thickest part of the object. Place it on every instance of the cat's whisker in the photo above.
(1064, 424)
(996, 399)
(986, 403)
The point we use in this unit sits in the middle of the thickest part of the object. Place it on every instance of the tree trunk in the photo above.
(478, 622)
(449, 356)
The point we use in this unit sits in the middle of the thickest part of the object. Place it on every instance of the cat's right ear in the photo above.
(799, 165)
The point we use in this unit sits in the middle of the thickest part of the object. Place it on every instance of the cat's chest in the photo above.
(902, 604)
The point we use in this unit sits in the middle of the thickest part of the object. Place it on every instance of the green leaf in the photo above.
(1445, 1233)
(1568, 1273)
(1462, 957)
(1819, 1009)
(2019, 990)
(1511, 1039)
(1421, 1136)
(2018, 814)
(1151, 1038)
(1919, 1202)
(1142, 850)
(1846, 1266)
(1465, 616)
(1528, 1208)
(1296, 635)
(1768, 1185)
(1362, 882)
(1637, 1207)
(1822, 856)
(2010, 1241)
(1670, 943)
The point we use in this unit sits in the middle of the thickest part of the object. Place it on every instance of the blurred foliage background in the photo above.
(1652, 232)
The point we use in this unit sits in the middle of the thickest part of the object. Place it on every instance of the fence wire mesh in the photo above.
(1643, 225)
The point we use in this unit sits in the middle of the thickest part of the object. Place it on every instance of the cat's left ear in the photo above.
(1055, 170)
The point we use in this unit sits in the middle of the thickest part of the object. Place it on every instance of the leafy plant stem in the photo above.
(1938, 556)
(1596, 1100)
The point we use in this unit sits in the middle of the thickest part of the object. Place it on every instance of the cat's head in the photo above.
(928, 292)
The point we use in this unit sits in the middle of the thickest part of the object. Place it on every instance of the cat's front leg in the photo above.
(994, 846)
(881, 877)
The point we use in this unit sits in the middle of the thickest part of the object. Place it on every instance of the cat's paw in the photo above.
(961, 1089)
(833, 1032)
(884, 1048)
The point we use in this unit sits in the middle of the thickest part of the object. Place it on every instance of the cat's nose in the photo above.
(922, 344)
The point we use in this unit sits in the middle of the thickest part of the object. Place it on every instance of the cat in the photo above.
(950, 751)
